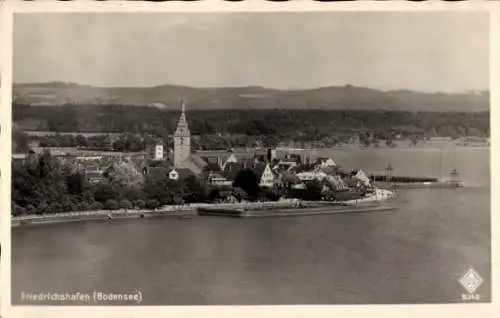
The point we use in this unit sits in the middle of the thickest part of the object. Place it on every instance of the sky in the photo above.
(425, 51)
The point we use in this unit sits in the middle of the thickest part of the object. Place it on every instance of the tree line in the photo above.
(42, 184)
(225, 128)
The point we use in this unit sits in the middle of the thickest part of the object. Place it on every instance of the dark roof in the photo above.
(261, 158)
(232, 171)
(210, 159)
(224, 188)
(300, 168)
(94, 174)
(233, 165)
(212, 167)
(184, 173)
(258, 169)
(330, 170)
(321, 159)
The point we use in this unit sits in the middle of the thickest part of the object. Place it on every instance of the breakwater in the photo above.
(402, 179)
(420, 185)
(245, 209)
(287, 212)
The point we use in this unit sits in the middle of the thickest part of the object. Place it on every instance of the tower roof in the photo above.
(182, 125)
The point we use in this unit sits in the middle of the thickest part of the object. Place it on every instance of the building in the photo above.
(325, 162)
(158, 155)
(182, 139)
(183, 158)
(265, 175)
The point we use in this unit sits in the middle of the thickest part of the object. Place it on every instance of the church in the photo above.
(182, 156)
(181, 162)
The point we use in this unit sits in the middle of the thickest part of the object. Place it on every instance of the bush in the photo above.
(83, 206)
(111, 204)
(18, 210)
(88, 196)
(30, 209)
(140, 204)
(96, 205)
(152, 204)
(42, 208)
(125, 204)
(67, 204)
(56, 207)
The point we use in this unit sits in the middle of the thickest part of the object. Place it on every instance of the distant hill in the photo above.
(250, 97)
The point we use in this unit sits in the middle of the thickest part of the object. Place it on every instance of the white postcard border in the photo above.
(7, 9)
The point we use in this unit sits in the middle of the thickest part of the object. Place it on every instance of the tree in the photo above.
(56, 207)
(125, 204)
(140, 204)
(42, 208)
(313, 191)
(111, 204)
(248, 181)
(194, 190)
(152, 204)
(96, 206)
(18, 210)
(83, 206)
(20, 142)
(124, 175)
(75, 183)
(105, 191)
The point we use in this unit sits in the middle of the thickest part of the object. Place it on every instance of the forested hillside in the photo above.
(240, 127)
(251, 97)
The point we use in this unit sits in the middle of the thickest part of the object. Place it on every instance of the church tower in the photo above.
(182, 139)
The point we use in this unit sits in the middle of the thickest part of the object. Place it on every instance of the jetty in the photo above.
(304, 210)
(389, 181)
(188, 212)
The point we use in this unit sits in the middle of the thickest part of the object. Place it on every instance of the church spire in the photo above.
(182, 120)
(182, 125)
(182, 139)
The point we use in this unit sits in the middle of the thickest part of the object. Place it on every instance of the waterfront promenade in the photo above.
(187, 210)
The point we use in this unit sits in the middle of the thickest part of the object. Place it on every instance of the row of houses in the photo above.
(218, 170)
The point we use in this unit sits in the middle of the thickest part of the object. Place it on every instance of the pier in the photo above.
(288, 212)
(402, 179)
(390, 181)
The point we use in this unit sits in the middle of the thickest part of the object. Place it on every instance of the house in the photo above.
(229, 160)
(265, 175)
(218, 179)
(311, 175)
(214, 163)
(336, 183)
(19, 157)
(325, 162)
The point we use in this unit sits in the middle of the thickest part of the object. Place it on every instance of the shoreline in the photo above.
(189, 211)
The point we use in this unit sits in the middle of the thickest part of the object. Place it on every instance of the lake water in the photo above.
(415, 254)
